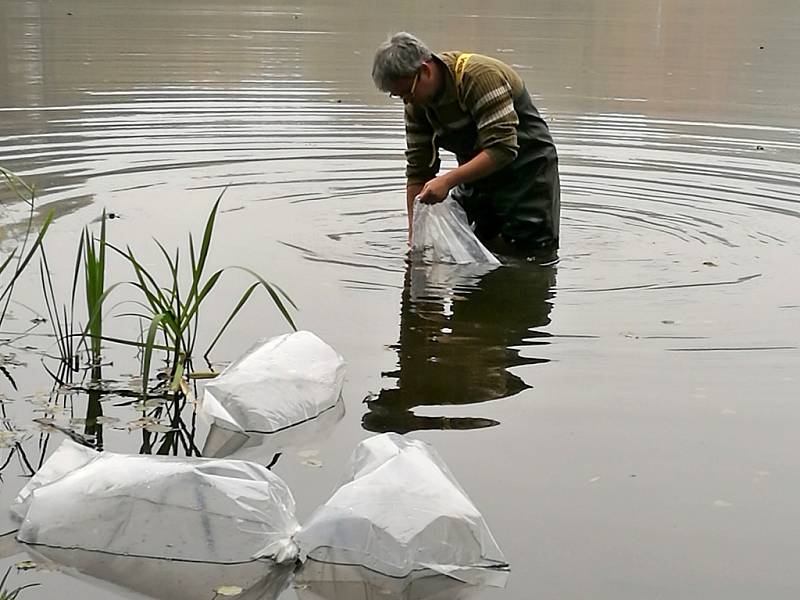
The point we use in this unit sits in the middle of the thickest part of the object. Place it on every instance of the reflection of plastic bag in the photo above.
(324, 581)
(399, 510)
(261, 447)
(278, 383)
(440, 281)
(441, 233)
(8, 545)
(165, 579)
(193, 509)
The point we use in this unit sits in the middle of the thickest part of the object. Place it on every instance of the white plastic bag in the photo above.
(399, 510)
(68, 457)
(276, 384)
(191, 509)
(441, 233)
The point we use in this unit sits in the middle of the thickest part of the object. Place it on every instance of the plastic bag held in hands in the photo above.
(441, 233)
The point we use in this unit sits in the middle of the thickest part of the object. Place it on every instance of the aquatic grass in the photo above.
(94, 279)
(23, 253)
(6, 594)
(168, 308)
(175, 314)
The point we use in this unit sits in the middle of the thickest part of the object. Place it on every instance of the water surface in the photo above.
(623, 418)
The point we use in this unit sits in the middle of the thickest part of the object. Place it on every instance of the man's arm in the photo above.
(436, 190)
(489, 98)
(422, 157)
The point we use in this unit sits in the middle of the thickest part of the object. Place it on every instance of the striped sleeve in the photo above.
(488, 96)
(422, 156)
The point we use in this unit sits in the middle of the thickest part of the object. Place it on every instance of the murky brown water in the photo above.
(624, 419)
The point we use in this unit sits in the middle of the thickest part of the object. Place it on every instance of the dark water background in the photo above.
(626, 420)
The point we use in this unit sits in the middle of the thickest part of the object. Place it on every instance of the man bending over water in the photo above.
(478, 108)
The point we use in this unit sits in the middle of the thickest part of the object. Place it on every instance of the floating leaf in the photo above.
(141, 423)
(151, 403)
(228, 590)
(54, 409)
(312, 462)
(9, 438)
(158, 428)
(25, 565)
(308, 453)
(203, 374)
(45, 424)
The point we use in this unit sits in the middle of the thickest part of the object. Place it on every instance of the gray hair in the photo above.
(399, 57)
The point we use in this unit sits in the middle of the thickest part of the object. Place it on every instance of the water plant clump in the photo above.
(16, 261)
(13, 593)
(167, 306)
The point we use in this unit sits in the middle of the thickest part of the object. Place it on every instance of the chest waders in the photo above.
(522, 201)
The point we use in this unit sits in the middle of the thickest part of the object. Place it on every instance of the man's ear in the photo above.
(427, 69)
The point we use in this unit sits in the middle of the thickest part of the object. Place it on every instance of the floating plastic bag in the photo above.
(441, 233)
(67, 457)
(278, 383)
(191, 509)
(398, 510)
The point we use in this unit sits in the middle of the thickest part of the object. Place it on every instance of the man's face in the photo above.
(413, 90)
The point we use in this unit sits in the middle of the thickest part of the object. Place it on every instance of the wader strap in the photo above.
(461, 64)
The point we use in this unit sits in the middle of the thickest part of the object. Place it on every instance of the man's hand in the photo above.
(434, 191)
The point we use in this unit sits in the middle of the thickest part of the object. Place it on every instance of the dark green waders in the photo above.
(521, 202)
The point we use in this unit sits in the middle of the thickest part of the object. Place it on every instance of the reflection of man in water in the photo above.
(479, 109)
(456, 342)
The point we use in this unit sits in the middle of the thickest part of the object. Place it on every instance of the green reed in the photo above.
(94, 268)
(173, 310)
(168, 302)
(13, 265)
(169, 306)
(6, 594)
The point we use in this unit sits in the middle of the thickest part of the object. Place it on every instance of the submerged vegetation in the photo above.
(12, 594)
(167, 306)
(14, 263)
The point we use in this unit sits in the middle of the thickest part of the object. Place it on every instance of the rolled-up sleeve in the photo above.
(422, 156)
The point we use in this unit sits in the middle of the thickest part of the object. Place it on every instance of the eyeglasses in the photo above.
(410, 93)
